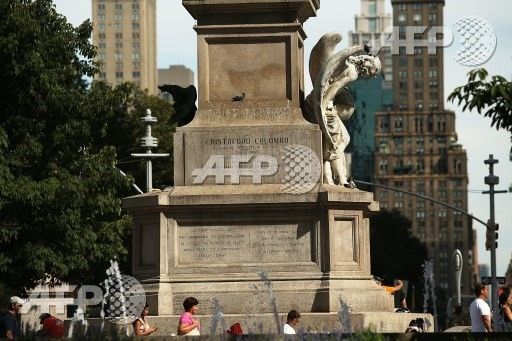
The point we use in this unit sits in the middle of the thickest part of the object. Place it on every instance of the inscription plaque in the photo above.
(248, 244)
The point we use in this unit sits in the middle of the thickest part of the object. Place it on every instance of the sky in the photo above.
(176, 41)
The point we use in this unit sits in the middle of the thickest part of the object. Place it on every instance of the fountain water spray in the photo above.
(344, 316)
(217, 316)
(273, 302)
(428, 279)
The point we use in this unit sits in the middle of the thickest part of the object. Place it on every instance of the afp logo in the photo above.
(302, 169)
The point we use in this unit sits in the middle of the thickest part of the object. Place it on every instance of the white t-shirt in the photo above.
(477, 309)
(287, 329)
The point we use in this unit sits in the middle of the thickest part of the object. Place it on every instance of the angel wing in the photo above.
(332, 78)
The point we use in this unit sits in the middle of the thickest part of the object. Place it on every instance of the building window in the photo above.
(118, 7)
(399, 124)
(418, 74)
(135, 16)
(136, 35)
(432, 73)
(119, 56)
(119, 74)
(103, 75)
(135, 56)
(402, 7)
(102, 36)
(119, 45)
(418, 50)
(136, 65)
(417, 17)
(402, 74)
(102, 46)
(101, 7)
(135, 7)
(372, 25)
(136, 74)
(101, 17)
(119, 35)
(136, 45)
(432, 18)
(135, 25)
(119, 65)
(401, 17)
(118, 16)
(118, 26)
(372, 8)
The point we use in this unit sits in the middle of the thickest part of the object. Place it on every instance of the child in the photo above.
(188, 325)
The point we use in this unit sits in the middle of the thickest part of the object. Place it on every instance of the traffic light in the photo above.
(489, 234)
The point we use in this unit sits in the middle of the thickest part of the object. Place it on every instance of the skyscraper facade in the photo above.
(417, 149)
(125, 34)
(370, 95)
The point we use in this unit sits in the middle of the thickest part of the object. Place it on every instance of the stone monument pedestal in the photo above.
(214, 242)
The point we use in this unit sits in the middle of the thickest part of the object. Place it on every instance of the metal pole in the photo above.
(492, 180)
(458, 264)
(149, 176)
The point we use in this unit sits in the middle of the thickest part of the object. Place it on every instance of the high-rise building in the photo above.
(177, 75)
(370, 95)
(371, 24)
(125, 34)
(417, 148)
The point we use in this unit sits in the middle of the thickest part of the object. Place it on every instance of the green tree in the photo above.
(60, 196)
(491, 97)
(395, 253)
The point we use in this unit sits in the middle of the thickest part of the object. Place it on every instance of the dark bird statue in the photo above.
(184, 103)
(239, 98)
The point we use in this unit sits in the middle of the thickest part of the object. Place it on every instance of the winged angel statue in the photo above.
(330, 103)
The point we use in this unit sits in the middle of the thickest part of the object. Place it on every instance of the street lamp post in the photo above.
(492, 180)
(149, 142)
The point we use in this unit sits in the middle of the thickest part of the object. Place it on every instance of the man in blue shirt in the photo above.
(9, 327)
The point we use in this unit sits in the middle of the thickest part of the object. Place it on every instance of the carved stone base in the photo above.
(220, 241)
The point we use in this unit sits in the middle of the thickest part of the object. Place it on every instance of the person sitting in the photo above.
(503, 321)
(188, 325)
(52, 326)
(399, 296)
(291, 322)
(235, 329)
(140, 326)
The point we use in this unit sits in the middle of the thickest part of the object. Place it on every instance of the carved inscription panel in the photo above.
(243, 244)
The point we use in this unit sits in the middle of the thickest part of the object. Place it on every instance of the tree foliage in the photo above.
(395, 253)
(60, 195)
(492, 98)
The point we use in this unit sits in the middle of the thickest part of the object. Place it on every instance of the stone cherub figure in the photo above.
(330, 103)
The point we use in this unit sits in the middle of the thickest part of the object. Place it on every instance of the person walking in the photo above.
(503, 321)
(9, 327)
(188, 325)
(291, 322)
(140, 326)
(480, 311)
